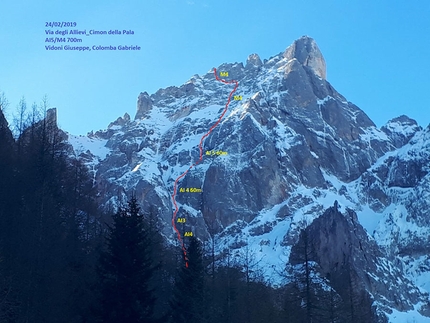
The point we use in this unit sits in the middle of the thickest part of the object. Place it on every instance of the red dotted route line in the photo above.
(175, 212)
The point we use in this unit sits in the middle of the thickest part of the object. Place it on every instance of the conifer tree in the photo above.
(8, 304)
(126, 269)
(331, 306)
(40, 246)
(301, 256)
(292, 311)
(8, 196)
(357, 305)
(227, 291)
(187, 304)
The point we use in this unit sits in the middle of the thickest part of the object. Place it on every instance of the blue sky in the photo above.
(377, 52)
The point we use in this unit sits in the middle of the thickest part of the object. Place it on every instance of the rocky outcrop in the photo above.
(47, 126)
(307, 53)
(5, 133)
(400, 130)
(144, 105)
(340, 244)
(253, 62)
(51, 117)
(121, 121)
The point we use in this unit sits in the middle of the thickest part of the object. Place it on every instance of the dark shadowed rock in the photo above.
(5, 132)
(340, 243)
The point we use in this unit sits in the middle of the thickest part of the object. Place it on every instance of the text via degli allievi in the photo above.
(91, 32)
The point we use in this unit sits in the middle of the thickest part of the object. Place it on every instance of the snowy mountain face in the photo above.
(287, 148)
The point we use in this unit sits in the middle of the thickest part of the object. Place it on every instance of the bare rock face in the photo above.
(401, 130)
(253, 62)
(120, 122)
(306, 51)
(51, 116)
(340, 243)
(5, 133)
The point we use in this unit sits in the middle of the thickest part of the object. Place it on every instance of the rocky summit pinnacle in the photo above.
(288, 146)
(253, 61)
(144, 104)
(306, 51)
